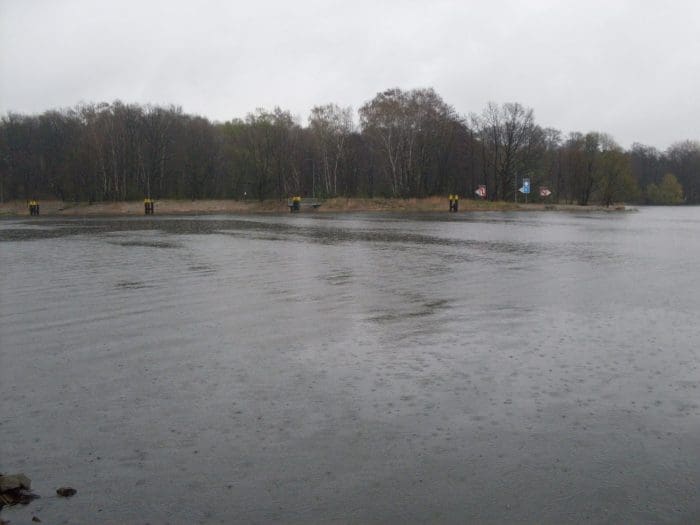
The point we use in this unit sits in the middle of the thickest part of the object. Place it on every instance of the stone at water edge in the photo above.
(14, 481)
(14, 489)
(66, 492)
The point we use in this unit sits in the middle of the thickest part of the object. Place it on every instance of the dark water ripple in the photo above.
(494, 368)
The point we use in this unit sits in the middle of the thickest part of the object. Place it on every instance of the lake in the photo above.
(354, 368)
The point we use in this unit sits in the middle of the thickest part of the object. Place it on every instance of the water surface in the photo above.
(364, 368)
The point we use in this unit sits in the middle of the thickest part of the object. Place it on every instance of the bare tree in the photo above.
(512, 145)
(331, 126)
(157, 128)
(402, 127)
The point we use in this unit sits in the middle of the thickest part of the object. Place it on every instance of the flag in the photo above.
(544, 191)
(481, 191)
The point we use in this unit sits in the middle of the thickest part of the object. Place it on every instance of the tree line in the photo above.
(407, 143)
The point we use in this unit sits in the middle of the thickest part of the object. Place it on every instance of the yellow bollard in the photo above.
(33, 207)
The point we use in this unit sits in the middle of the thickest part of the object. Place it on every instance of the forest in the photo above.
(401, 143)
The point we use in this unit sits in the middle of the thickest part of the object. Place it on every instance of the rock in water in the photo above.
(15, 488)
(14, 481)
(66, 492)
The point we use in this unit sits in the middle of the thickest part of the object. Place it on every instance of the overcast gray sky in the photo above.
(628, 68)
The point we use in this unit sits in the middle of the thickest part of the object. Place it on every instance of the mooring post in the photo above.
(454, 202)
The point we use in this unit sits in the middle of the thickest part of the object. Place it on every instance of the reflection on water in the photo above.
(495, 367)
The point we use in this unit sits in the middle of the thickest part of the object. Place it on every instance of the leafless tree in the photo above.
(512, 145)
(330, 126)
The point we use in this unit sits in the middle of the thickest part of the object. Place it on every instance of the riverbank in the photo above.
(188, 207)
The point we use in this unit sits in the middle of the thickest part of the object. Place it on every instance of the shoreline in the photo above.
(335, 205)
